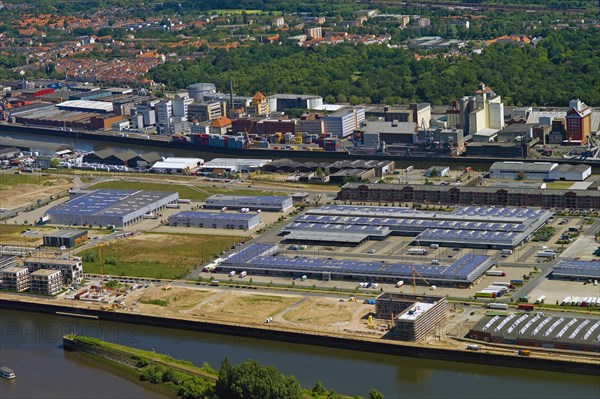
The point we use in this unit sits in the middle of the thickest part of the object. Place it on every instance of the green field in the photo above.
(559, 185)
(168, 256)
(9, 180)
(196, 193)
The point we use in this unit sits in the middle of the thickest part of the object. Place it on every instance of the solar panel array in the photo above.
(214, 215)
(89, 204)
(465, 225)
(577, 268)
(340, 228)
(464, 270)
(543, 328)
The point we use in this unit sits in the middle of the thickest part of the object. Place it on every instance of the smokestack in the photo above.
(231, 92)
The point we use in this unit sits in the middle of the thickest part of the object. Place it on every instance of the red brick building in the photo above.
(579, 122)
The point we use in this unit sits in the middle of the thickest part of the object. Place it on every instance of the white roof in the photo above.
(487, 132)
(235, 162)
(177, 163)
(87, 104)
(418, 309)
(330, 107)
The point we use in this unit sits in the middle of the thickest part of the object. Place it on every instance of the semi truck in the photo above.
(501, 306)
(499, 273)
(417, 251)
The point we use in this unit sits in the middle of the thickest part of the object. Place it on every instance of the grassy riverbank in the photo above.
(173, 377)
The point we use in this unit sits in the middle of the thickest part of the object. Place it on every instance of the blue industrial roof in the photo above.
(577, 268)
(261, 256)
(215, 215)
(108, 203)
(265, 199)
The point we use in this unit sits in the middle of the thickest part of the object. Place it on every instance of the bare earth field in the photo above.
(15, 194)
(178, 298)
(323, 311)
(242, 306)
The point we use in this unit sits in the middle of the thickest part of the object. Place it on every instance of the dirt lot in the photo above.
(243, 306)
(177, 298)
(16, 191)
(324, 311)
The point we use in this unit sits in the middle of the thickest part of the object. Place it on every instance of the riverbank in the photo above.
(206, 152)
(317, 337)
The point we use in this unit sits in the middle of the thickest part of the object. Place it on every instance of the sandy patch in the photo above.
(322, 310)
(248, 307)
(177, 297)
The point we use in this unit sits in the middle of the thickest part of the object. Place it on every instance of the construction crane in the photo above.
(100, 245)
(415, 273)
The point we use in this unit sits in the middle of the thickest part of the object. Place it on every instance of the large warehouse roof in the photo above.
(109, 202)
(467, 226)
(265, 257)
(572, 268)
(101, 106)
(215, 215)
(538, 327)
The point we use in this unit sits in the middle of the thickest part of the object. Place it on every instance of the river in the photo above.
(30, 344)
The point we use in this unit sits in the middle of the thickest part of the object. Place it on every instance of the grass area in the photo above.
(11, 234)
(197, 193)
(168, 256)
(183, 190)
(158, 302)
(559, 185)
(10, 180)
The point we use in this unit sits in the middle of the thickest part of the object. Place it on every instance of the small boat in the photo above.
(5, 372)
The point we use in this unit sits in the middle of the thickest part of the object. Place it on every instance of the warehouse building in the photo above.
(215, 220)
(539, 171)
(413, 316)
(99, 107)
(119, 208)
(15, 279)
(71, 269)
(263, 203)
(346, 175)
(177, 165)
(538, 330)
(381, 167)
(46, 282)
(65, 237)
(466, 227)
(267, 259)
(219, 166)
(448, 195)
(573, 269)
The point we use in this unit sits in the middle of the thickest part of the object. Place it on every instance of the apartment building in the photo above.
(71, 269)
(46, 282)
(15, 279)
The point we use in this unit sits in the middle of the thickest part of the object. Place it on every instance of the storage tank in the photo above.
(197, 91)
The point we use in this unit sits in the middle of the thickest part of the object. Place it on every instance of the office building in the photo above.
(215, 220)
(263, 203)
(206, 111)
(343, 122)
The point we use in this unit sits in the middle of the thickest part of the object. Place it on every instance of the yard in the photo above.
(169, 256)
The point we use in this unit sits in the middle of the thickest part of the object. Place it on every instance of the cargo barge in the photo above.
(238, 150)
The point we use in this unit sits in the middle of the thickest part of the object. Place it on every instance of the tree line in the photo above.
(564, 65)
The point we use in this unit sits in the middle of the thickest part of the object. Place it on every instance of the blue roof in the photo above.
(261, 256)
(577, 268)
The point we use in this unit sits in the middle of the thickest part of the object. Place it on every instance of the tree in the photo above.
(54, 162)
(319, 171)
(375, 394)
(319, 389)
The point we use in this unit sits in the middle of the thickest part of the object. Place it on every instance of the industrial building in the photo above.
(15, 279)
(413, 316)
(573, 269)
(285, 102)
(100, 107)
(109, 156)
(343, 122)
(71, 269)
(267, 259)
(538, 330)
(46, 282)
(177, 165)
(65, 238)
(449, 195)
(539, 171)
(263, 203)
(215, 220)
(232, 165)
(119, 208)
(466, 227)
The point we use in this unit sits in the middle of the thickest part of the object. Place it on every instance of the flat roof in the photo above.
(109, 202)
(66, 233)
(525, 166)
(87, 104)
(267, 257)
(415, 311)
(52, 261)
(257, 200)
(45, 272)
(215, 215)
(235, 162)
(537, 326)
(577, 268)
(13, 269)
